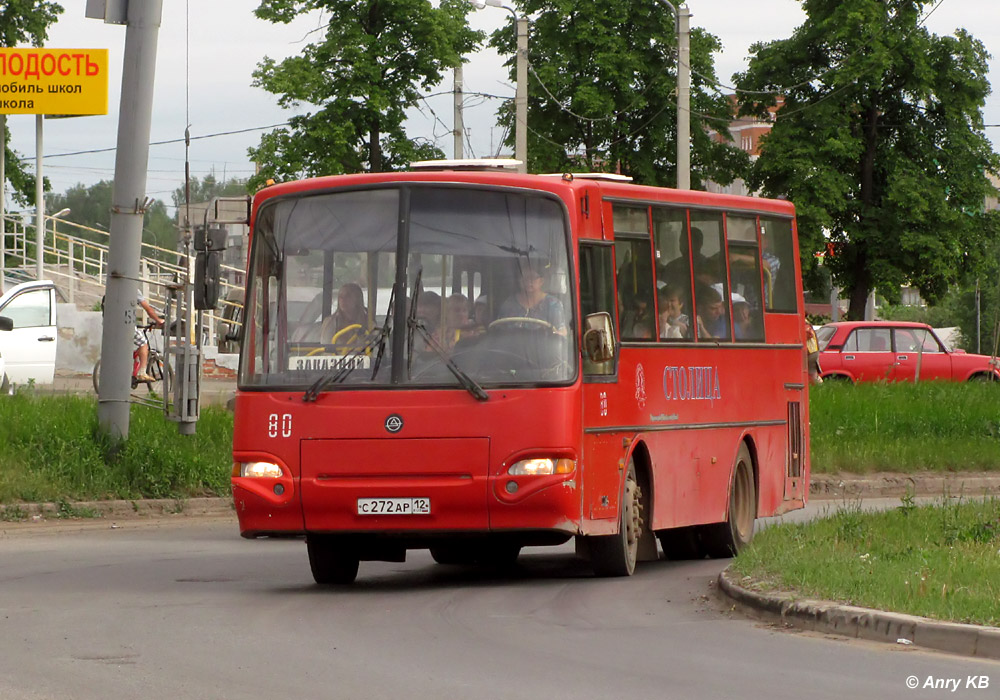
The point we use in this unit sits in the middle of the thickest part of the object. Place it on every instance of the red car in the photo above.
(895, 351)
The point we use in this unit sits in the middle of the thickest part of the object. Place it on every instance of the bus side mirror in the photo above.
(206, 279)
(6, 323)
(599, 338)
(210, 238)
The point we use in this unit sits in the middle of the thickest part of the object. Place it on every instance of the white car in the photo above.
(28, 349)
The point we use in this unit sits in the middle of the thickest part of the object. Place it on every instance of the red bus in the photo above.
(472, 362)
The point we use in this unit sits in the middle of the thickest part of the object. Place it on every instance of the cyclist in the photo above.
(139, 339)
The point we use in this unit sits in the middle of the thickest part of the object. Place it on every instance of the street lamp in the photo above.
(682, 19)
(521, 95)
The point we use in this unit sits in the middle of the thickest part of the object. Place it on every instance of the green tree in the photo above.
(602, 92)
(206, 188)
(23, 21)
(960, 303)
(91, 207)
(369, 65)
(879, 143)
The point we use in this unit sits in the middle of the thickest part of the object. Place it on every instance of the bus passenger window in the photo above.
(778, 254)
(636, 308)
(744, 277)
(673, 273)
(709, 267)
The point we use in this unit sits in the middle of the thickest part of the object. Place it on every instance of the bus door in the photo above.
(602, 450)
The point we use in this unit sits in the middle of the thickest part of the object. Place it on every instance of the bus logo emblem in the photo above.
(394, 423)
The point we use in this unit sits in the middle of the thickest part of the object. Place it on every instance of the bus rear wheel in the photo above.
(615, 555)
(729, 538)
(330, 562)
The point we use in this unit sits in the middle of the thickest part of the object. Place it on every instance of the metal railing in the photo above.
(75, 258)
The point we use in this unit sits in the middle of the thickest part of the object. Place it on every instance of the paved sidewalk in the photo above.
(861, 623)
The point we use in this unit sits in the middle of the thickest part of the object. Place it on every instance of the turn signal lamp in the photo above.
(258, 470)
(542, 467)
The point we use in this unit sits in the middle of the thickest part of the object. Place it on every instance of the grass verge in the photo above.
(51, 450)
(939, 561)
(931, 426)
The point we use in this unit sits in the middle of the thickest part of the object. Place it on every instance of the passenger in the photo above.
(458, 321)
(531, 301)
(429, 316)
(812, 355)
(674, 323)
(678, 270)
(429, 311)
(472, 333)
(712, 321)
(637, 321)
(743, 325)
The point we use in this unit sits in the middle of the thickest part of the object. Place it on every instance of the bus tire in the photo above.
(729, 538)
(615, 555)
(331, 562)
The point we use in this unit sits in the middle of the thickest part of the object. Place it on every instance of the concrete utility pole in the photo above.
(127, 210)
(682, 19)
(39, 200)
(521, 93)
(458, 152)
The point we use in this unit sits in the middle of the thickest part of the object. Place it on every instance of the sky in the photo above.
(208, 50)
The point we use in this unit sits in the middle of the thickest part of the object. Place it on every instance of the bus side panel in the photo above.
(771, 443)
(602, 474)
(692, 406)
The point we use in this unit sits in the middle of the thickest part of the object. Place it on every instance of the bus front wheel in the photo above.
(330, 562)
(615, 555)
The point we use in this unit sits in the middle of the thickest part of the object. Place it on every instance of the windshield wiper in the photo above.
(348, 366)
(467, 382)
(386, 329)
(411, 321)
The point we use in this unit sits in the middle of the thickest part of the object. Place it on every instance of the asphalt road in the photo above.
(186, 609)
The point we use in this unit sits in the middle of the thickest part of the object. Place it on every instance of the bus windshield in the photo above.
(409, 285)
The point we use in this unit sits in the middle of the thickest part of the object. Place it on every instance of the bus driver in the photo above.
(531, 301)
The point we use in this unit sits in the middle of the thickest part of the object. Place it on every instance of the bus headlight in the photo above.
(258, 470)
(542, 467)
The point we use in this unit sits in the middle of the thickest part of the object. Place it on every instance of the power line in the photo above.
(162, 143)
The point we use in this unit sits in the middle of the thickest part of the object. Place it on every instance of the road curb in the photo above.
(887, 485)
(120, 509)
(862, 623)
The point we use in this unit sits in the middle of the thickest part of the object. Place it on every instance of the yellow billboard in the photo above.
(54, 81)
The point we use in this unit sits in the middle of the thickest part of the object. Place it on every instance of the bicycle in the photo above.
(156, 368)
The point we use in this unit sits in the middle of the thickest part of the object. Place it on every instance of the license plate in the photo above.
(394, 506)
